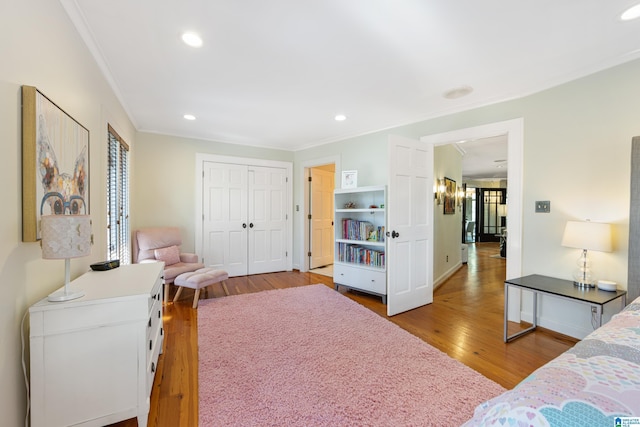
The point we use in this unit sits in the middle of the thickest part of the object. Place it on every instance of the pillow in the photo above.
(170, 255)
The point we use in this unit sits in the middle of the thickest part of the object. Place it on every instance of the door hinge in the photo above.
(308, 253)
(309, 216)
(286, 254)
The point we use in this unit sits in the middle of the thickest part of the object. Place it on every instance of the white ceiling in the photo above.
(484, 159)
(274, 73)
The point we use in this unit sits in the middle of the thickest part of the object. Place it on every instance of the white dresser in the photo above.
(93, 359)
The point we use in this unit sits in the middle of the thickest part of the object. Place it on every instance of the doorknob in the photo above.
(250, 225)
(394, 234)
(244, 225)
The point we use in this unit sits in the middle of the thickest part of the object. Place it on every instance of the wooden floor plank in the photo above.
(465, 321)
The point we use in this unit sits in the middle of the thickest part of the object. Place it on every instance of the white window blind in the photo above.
(118, 240)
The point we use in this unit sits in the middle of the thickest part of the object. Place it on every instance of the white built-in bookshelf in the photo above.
(360, 240)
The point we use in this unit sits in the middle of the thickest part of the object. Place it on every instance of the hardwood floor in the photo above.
(465, 321)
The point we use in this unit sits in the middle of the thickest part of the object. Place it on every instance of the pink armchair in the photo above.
(163, 244)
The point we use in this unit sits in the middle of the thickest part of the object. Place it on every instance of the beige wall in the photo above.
(163, 178)
(41, 48)
(446, 228)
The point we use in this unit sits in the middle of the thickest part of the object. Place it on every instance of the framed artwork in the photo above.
(55, 163)
(349, 179)
(449, 196)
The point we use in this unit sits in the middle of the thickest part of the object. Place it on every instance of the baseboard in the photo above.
(443, 278)
(572, 331)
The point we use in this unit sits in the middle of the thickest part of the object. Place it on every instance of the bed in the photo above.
(596, 383)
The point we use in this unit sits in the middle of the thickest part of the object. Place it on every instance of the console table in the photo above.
(565, 289)
(93, 359)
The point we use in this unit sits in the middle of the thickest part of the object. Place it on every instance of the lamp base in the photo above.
(582, 284)
(66, 295)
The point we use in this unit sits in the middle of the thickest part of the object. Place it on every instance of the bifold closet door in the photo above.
(267, 220)
(225, 226)
(244, 218)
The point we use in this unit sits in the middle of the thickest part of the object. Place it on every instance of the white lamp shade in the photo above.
(65, 236)
(594, 236)
(502, 210)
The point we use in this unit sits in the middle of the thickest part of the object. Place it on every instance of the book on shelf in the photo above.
(353, 229)
(356, 254)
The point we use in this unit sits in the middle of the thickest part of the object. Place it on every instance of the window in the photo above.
(118, 198)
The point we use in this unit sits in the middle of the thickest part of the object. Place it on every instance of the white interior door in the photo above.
(267, 220)
(409, 253)
(224, 221)
(321, 226)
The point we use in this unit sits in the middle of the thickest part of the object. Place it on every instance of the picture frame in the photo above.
(349, 179)
(449, 196)
(55, 163)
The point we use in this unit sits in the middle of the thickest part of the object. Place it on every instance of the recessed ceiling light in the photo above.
(192, 39)
(340, 117)
(189, 117)
(458, 92)
(631, 13)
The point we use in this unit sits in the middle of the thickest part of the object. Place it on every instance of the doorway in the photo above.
(302, 224)
(514, 131)
(321, 182)
(490, 223)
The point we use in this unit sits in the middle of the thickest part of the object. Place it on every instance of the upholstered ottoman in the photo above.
(198, 280)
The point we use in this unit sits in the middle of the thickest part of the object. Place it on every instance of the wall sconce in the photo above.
(440, 190)
(460, 196)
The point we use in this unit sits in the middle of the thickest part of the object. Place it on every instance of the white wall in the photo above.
(41, 48)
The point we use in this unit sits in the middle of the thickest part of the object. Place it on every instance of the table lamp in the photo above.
(586, 235)
(66, 237)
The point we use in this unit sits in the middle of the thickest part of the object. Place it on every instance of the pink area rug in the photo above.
(309, 356)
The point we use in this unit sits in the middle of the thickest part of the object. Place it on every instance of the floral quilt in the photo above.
(596, 383)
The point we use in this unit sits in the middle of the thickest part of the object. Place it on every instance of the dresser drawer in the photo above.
(361, 278)
(152, 357)
(156, 293)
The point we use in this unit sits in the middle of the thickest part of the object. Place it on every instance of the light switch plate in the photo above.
(543, 206)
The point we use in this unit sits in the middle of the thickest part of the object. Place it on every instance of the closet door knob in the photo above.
(244, 225)
(251, 225)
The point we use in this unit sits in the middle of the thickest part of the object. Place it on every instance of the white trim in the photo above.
(303, 194)
(514, 130)
(201, 158)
